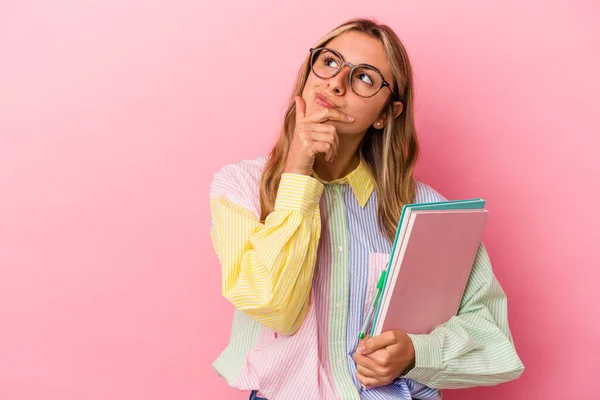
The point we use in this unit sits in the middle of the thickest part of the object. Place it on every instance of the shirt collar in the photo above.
(360, 180)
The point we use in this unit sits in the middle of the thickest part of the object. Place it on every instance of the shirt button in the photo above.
(339, 361)
(338, 304)
(340, 249)
(334, 197)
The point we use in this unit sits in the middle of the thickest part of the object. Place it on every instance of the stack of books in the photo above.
(430, 264)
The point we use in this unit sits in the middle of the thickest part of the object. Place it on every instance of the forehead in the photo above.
(360, 48)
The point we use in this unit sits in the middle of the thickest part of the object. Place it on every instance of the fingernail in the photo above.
(350, 118)
(361, 349)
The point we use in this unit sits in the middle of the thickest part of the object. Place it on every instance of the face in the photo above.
(356, 48)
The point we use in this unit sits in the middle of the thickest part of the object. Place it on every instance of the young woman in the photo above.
(303, 234)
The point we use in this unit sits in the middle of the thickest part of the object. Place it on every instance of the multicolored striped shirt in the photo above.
(301, 283)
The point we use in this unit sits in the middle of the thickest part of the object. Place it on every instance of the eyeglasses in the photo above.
(365, 80)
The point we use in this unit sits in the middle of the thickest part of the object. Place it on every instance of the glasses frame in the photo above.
(352, 68)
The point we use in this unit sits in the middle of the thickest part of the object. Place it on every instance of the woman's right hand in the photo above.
(312, 136)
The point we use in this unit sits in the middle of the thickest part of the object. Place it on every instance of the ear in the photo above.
(398, 107)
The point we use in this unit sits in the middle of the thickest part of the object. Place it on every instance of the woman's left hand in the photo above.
(383, 358)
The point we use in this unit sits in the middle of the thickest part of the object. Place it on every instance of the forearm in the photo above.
(268, 268)
(474, 348)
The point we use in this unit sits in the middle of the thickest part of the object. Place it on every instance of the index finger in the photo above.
(379, 342)
(365, 361)
(330, 114)
(300, 107)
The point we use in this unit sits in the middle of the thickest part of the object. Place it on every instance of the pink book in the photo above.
(430, 269)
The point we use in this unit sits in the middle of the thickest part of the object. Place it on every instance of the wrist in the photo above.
(411, 365)
(297, 171)
(428, 358)
(412, 359)
(299, 192)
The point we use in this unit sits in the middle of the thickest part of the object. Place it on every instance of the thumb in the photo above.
(300, 107)
(361, 345)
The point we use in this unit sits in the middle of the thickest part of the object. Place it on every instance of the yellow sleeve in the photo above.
(267, 269)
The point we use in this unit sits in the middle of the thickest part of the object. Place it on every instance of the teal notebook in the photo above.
(467, 204)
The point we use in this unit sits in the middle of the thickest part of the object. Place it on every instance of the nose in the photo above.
(338, 84)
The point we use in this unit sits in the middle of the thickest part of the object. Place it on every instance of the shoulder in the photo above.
(239, 183)
(246, 171)
(426, 194)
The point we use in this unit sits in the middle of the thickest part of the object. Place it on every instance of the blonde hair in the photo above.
(391, 154)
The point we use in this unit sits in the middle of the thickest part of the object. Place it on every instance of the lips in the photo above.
(324, 101)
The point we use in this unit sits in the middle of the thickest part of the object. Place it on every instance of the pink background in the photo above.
(115, 114)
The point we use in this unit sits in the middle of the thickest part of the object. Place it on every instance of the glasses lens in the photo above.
(366, 81)
(325, 63)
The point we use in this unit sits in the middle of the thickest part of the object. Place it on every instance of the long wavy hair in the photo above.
(391, 152)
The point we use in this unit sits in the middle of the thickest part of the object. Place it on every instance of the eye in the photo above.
(330, 62)
(365, 78)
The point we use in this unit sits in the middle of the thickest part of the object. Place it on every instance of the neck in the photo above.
(345, 162)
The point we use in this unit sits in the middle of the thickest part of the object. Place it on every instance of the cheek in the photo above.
(311, 83)
(364, 111)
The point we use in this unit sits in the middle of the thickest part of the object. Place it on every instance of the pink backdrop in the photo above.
(115, 114)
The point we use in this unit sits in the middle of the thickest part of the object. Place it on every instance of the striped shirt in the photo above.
(301, 283)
